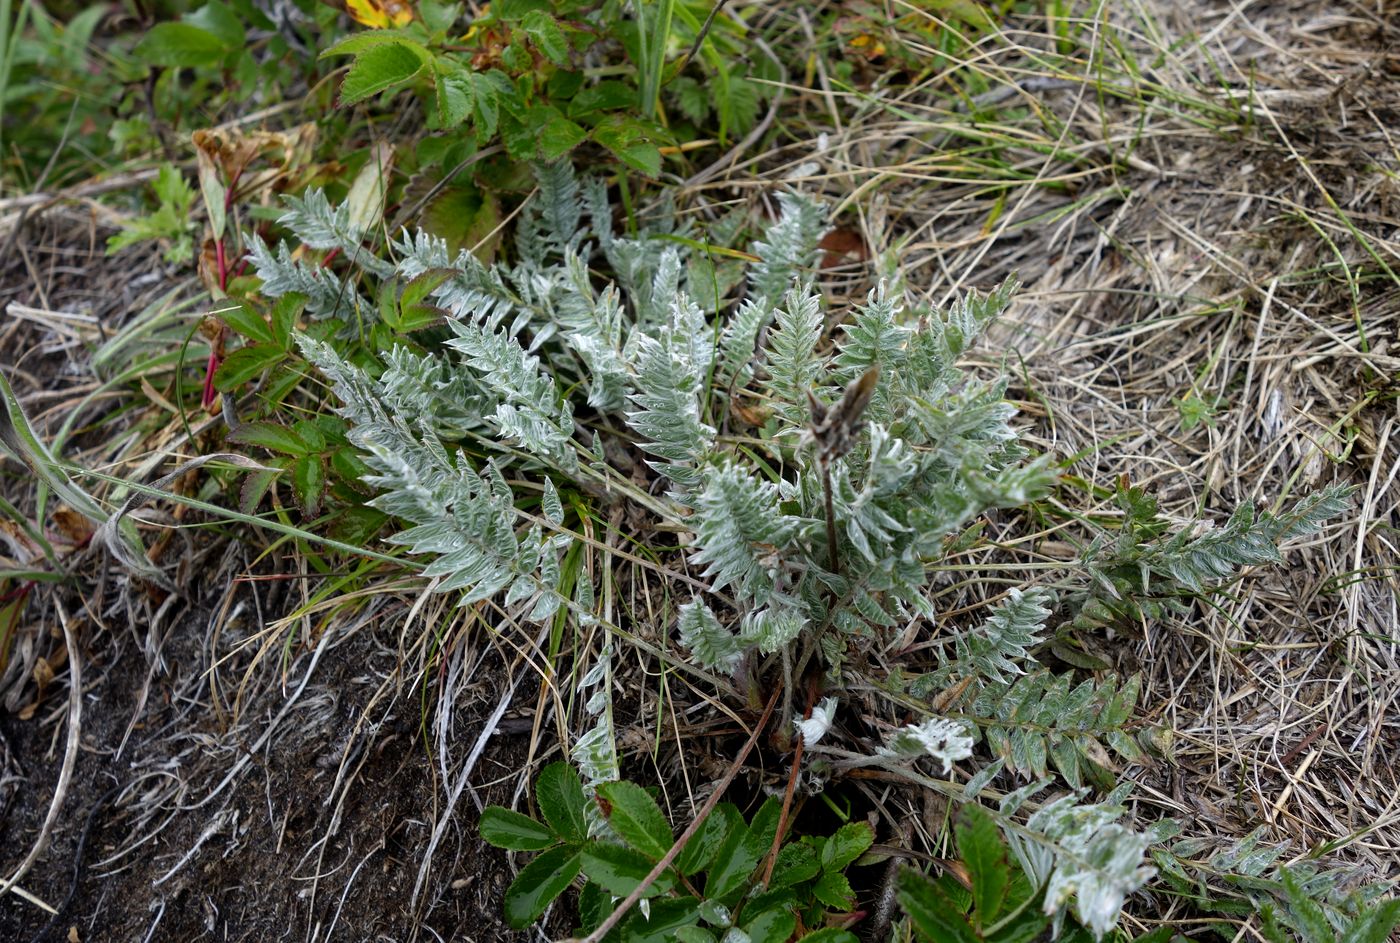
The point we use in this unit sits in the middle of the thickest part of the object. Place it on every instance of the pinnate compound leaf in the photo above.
(506, 828)
(636, 818)
(1376, 925)
(379, 69)
(559, 792)
(981, 849)
(538, 883)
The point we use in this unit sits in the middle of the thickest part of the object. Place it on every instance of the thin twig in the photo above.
(787, 808)
(684, 60)
(616, 916)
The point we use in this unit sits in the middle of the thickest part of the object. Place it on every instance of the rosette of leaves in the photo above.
(711, 888)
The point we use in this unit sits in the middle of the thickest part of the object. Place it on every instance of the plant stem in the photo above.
(830, 520)
(616, 916)
(787, 808)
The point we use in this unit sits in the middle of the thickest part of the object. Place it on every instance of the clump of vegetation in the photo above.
(539, 76)
(508, 373)
(817, 468)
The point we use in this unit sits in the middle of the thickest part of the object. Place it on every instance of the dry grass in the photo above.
(1200, 209)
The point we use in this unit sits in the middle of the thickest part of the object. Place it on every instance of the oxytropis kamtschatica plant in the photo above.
(810, 469)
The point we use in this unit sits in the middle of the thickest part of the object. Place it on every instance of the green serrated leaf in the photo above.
(255, 487)
(764, 825)
(830, 935)
(284, 318)
(538, 883)
(772, 926)
(694, 935)
(636, 818)
(705, 844)
(381, 68)
(609, 95)
(519, 138)
(270, 436)
(559, 793)
(413, 314)
(218, 20)
(848, 844)
(935, 918)
(620, 870)
(624, 143)
(454, 94)
(508, 829)
(834, 890)
(981, 849)
(180, 46)
(245, 364)
(357, 43)
(548, 38)
(248, 322)
(309, 482)
(733, 864)
(797, 862)
(667, 917)
(559, 136)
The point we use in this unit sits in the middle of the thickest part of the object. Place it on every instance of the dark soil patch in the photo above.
(219, 793)
(242, 866)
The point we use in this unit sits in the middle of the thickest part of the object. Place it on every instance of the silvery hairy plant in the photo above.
(816, 465)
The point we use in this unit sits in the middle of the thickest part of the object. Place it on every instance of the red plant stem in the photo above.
(787, 807)
(616, 916)
(210, 368)
(19, 592)
(222, 263)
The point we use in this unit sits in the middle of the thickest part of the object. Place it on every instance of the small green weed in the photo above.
(712, 885)
(172, 222)
(543, 78)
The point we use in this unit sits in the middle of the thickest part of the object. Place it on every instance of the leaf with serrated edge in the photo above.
(636, 818)
(619, 870)
(538, 883)
(506, 828)
(981, 849)
(559, 792)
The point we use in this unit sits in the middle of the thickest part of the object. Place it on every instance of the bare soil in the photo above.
(230, 783)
